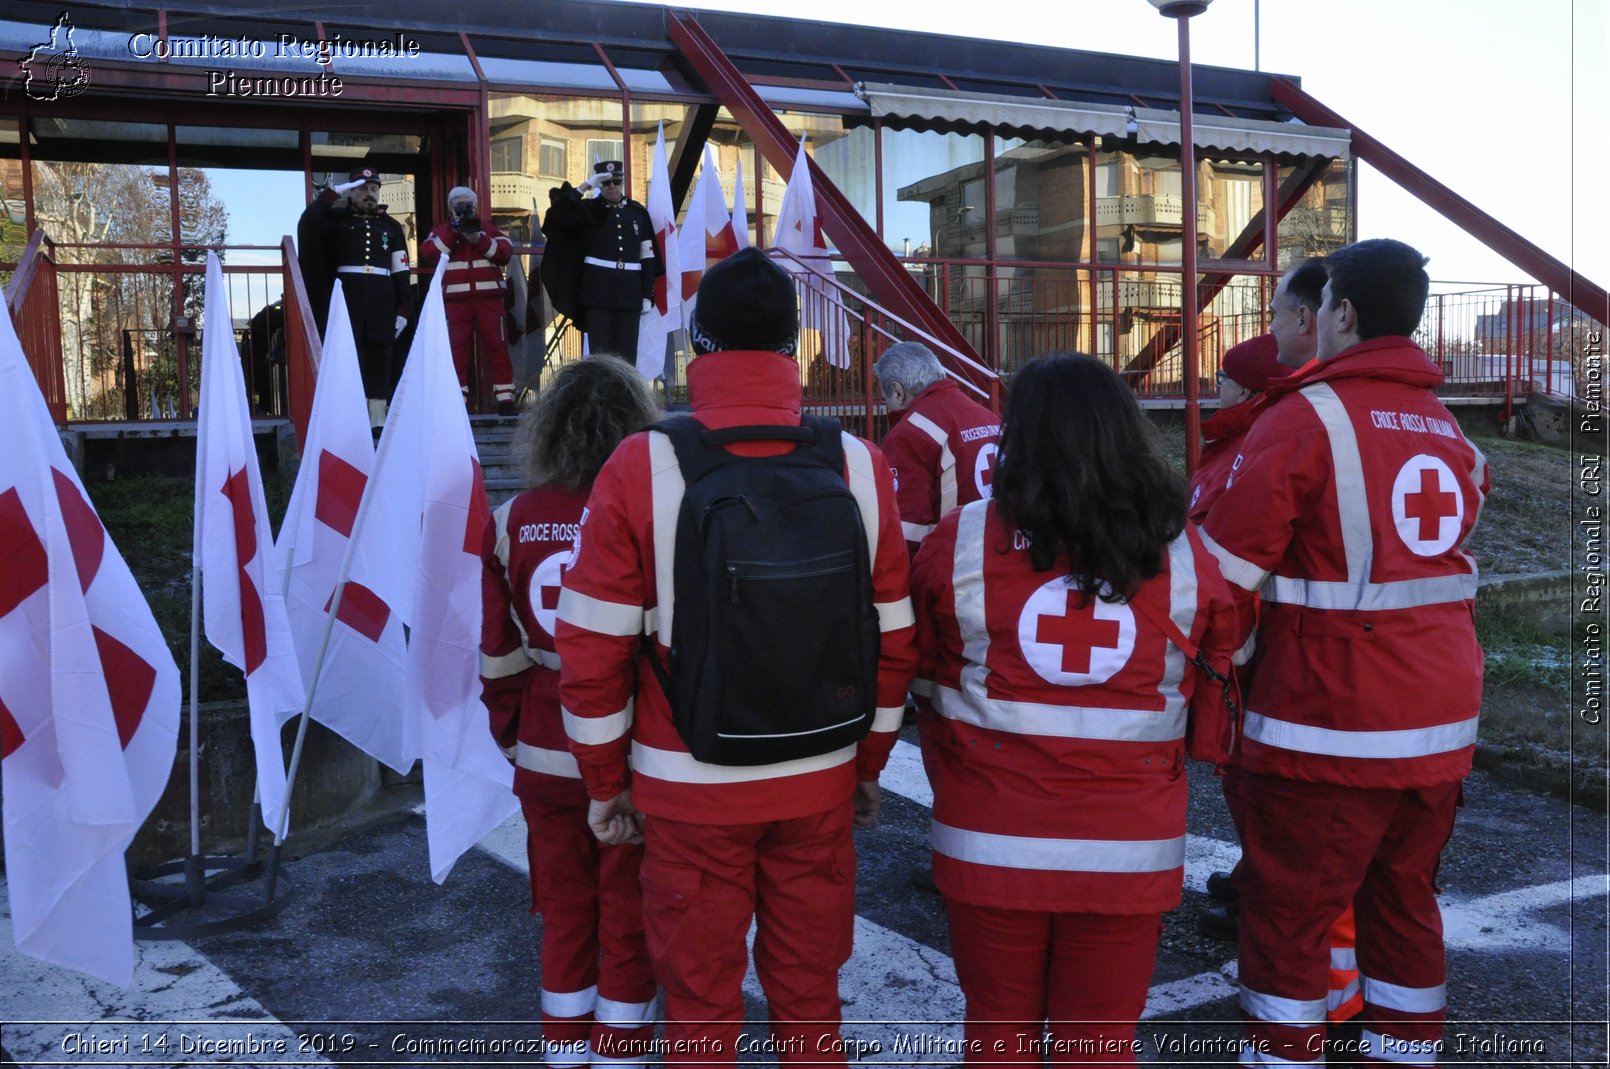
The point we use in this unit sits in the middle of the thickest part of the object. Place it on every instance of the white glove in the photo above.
(402, 321)
(347, 187)
(648, 305)
(595, 180)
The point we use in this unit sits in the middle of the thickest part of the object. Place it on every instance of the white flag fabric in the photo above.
(799, 231)
(740, 209)
(690, 244)
(89, 698)
(665, 314)
(417, 545)
(360, 690)
(242, 606)
(720, 241)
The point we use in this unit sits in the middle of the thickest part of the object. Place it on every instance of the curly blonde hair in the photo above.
(579, 419)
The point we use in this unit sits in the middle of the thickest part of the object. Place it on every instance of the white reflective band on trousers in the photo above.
(1399, 1051)
(888, 717)
(1275, 1009)
(1409, 742)
(1405, 999)
(548, 762)
(624, 1014)
(677, 767)
(1336, 998)
(947, 460)
(466, 287)
(547, 658)
(1402, 594)
(569, 1004)
(893, 615)
(1058, 721)
(1057, 855)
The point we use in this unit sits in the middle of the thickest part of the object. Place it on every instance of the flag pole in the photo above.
(193, 873)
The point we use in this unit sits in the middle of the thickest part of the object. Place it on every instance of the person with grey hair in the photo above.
(941, 443)
(473, 290)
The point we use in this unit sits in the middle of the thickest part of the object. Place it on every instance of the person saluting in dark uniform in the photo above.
(368, 251)
(611, 265)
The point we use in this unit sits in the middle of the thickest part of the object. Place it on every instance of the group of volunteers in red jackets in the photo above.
(1020, 569)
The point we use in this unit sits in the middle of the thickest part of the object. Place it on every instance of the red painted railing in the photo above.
(35, 313)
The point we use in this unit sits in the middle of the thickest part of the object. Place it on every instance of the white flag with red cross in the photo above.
(665, 314)
(799, 231)
(89, 698)
(242, 608)
(690, 244)
(360, 687)
(417, 545)
(740, 209)
(707, 235)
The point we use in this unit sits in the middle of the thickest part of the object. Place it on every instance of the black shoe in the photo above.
(505, 408)
(1221, 887)
(922, 878)
(1219, 922)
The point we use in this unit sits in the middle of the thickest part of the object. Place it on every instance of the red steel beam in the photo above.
(1583, 294)
(890, 284)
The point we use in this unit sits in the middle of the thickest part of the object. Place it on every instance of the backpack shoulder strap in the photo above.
(699, 449)
(1165, 623)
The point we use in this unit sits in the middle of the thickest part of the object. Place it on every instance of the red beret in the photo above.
(1255, 363)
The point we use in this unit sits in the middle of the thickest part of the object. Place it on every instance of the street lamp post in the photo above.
(1181, 11)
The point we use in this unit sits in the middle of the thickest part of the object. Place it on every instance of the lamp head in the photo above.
(1180, 9)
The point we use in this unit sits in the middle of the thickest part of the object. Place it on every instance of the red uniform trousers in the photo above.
(1023, 968)
(1310, 850)
(482, 316)
(597, 985)
(701, 885)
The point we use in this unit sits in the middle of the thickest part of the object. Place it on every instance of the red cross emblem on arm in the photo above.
(1430, 504)
(1079, 634)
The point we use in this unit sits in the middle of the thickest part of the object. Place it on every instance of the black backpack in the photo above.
(775, 639)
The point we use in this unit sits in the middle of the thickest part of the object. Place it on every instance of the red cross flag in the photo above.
(707, 235)
(824, 325)
(242, 606)
(665, 315)
(89, 698)
(360, 689)
(417, 546)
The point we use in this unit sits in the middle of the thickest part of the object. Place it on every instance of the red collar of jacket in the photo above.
(733, 389)
(932, 392)
(1231, 422)
(1391, 359)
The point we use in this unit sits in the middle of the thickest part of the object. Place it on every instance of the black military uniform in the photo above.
(620, 262)
(368, 252)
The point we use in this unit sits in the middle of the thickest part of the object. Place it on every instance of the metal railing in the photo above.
(32, 301)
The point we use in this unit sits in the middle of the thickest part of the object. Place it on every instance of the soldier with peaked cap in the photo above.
(612, 267)
(367, 250)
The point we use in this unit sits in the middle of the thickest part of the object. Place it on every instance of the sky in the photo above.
(1507, 102)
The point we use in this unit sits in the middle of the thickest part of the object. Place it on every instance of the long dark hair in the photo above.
(1080, 475)
(580, 417)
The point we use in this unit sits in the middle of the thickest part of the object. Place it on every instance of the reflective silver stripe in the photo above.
(1347, 469)
(573, 1054)
(1058, 855)
(1243, 573)
(468, 287)
(436, 241)
(500, 549)
(614, 1014)
(598, 730)
(1404, 999)
(666, 488)
(600, 617)
(613, 265)
(1248, 648)
(1401, 594)
(1299, 1013)
(947, 460)
(599, 1059)
(1343, 958)
(363, 270)
(893, 615)
(864, 488)
(678, 767)
(1337, 999)
(888, 718)
(509, 664)
(569, 1003)
(1060, 721)
(1399, 1051)
(967, 585)
(551, 762)
(916, 532)
(1182, 594)
(1409, 742)
(923, 688)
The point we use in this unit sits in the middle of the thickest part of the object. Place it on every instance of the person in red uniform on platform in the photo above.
(1347, 516)
(1057, 718)
(941, 443)
(597, 985)
(724, 845)
(472, 291)
(1248, 370)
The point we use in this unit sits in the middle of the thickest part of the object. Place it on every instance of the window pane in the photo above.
(1231, 198)
(557, 138)
(923, 207)
(1041, 200)
(1143, 219)
(1322, 221)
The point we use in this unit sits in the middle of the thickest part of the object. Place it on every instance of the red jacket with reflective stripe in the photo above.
(621, 585)
(1355, 493)
(942, 450)
(1221, 444)
(527, 544)
(474, 268)
(1053, 727)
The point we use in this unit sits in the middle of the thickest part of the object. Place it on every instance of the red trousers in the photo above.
(1310, 850)
(702, 883)
(597, 986)
(481, 316)
(1052, 988)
